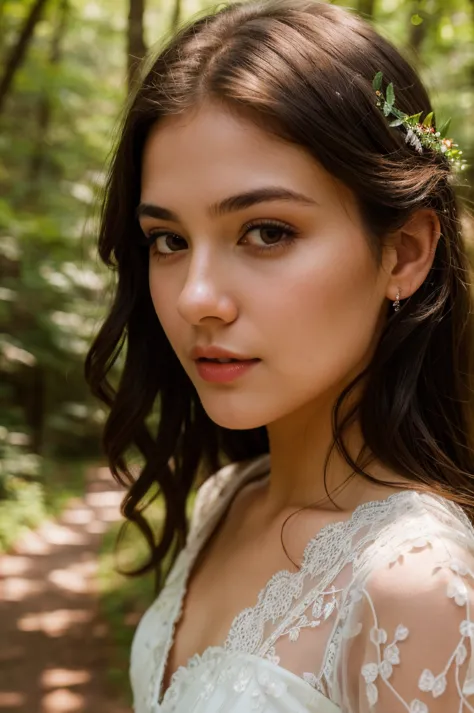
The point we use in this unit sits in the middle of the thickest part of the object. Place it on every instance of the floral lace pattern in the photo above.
(332, 625)
(257, 686)
(450, 677)
(211, 674)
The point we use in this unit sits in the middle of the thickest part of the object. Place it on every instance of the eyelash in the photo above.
(283, 244)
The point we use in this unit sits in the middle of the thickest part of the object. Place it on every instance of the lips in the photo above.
(220, 361)
(215, 354)
(219, 365)
(222, 372)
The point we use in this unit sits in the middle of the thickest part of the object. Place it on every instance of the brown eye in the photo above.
(166, 243)
(268, 235)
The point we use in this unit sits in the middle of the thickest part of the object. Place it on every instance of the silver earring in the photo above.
(396, 304)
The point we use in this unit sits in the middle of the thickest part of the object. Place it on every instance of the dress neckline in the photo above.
(259, 466)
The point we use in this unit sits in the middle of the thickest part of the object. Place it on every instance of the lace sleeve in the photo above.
(407, 639)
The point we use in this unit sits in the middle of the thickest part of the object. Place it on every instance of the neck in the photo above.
(299, 445)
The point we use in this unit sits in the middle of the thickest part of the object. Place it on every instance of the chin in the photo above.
(236, 414)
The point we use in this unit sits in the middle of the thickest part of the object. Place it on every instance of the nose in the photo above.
(206, 294)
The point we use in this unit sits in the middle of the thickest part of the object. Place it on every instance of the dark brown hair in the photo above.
(302, 70)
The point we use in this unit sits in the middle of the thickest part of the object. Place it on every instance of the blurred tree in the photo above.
(54, 135)
(44, 107)
(19, 49)
(366, 8)
(419, 23)
(136, 48)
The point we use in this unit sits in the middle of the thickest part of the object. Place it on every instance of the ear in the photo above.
(415, 246)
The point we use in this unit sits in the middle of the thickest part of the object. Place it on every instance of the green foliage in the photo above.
(24, 500)
(54, 139)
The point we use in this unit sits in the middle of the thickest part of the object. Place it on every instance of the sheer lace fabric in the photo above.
(377, 620)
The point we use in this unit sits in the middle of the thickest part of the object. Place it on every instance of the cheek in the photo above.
(327, 316)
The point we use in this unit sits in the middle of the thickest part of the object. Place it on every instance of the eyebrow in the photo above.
(230, 204)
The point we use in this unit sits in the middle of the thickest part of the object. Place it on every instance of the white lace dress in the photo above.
(377, 620)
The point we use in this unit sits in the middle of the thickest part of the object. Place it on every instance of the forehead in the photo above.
(212, 152)
(213, 136)
(210, 127)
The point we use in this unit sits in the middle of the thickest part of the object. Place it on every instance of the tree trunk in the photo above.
(36, 407)
(44, 106)
(418, 32)
(18, 51)
(417, 35)
(2, 25)
(136, 48)
(176, 17)
(366, 8)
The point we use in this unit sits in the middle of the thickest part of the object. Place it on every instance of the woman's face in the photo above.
(285, 281)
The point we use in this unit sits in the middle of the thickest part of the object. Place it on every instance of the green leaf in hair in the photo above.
(390, 97)
(444, 128)
(377, 83)
(420, 135)
(428, 120)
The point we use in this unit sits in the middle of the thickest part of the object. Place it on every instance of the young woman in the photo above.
(293, 293)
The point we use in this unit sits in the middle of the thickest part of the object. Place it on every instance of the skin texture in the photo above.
(310, 310)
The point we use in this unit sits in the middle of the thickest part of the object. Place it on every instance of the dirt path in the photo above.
(52, 642)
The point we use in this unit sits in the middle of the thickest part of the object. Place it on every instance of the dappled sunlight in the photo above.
(11, 700)
(75, 578)
(62, 700)
(79, 516)
(53, 648)
(54, 623)
(104, 500)
(15, 589)
(14, 566)
(108, 502)
(57, 677)
(96, 528)
(33, 543)
(60, 535)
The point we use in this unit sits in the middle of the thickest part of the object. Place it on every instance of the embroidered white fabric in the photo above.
(377, 620)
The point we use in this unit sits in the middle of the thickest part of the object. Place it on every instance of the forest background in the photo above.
(66, 69)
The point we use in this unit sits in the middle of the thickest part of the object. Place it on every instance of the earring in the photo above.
(396, 304)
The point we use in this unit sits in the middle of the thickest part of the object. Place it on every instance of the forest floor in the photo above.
(54, 641)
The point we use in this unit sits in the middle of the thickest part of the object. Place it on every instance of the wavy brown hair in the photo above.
(302, 70)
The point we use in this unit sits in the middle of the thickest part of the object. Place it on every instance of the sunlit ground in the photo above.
(53, 645)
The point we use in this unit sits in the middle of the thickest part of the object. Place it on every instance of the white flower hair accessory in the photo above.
(419, 134)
